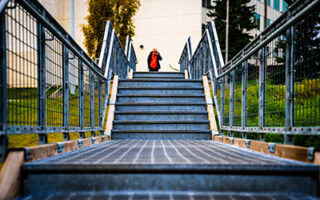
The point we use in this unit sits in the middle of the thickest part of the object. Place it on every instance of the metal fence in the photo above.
(48, 84)
(273, 84)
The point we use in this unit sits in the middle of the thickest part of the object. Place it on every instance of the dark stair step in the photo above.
(160, 90)
(162, 77)
(156, 98)
(161, 125)
(161, 134)
(161, 83)
(165, 195)
(165, 106)
(168, 165)
(158, 74)
(159, 115)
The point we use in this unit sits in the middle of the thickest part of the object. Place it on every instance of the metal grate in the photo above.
(163, 152)
(22, 74)
(170, 195)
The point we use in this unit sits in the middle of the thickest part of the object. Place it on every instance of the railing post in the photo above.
(100, 105)
(222, 82)
(262, 86)
(41, 45)
(91, 80)
(244, 97)
(289, 114)
(3, 89)
(81, 98)
(65, 66)
(231, 107)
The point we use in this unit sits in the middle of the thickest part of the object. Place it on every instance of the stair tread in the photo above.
(147, 72)
(160, 95)
(161, 80)
(209, 157)
(160, 131)
(159, 103)
(162, 112)
(159, 88)
(162, 195)
(161, 122)
(163, 77)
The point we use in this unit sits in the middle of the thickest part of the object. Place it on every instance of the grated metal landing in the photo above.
(195, 155)
(168, 165)
(169, 196)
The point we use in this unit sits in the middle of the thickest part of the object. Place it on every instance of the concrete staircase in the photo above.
(161, 149)
(160, 106)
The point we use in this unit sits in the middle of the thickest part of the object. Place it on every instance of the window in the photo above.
(206, 3)
(276, 4)
(284, 6)
(257, 20)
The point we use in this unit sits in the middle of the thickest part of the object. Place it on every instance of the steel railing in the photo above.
(48, 84)
(271, 85)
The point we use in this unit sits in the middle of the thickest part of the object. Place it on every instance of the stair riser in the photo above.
(181, 117)
(161, 99)
(160, 75)
(160, 108)
(159, 92)
(161, 136)
(53, 183)
(160, 84)
(161, 126)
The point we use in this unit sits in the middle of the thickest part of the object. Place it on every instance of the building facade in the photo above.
(162, 24)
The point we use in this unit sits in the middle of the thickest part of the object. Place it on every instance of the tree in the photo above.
(119, 12)
(241, 21)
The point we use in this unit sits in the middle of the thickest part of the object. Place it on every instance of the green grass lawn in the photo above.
(306, 108)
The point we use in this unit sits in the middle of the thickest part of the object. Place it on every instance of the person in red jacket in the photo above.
(153, 60)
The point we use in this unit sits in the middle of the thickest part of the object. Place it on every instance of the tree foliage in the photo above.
(241, 21)
(119, 12)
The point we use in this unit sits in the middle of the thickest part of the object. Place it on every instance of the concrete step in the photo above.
(160, 83)
(160, 90)
(161, 134)
(165, 106)
(161, 125)
(168, 165)
(160, 115)
(165, 195)
(135, 98)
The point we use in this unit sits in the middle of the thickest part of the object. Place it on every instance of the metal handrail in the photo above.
(48, 84)
(226, 78)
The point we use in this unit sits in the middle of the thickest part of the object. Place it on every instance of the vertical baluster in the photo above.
(244, 96)
(289, 113)
(65, 66)
(262, 87)
(231, 107)
(91, 83)
(100, 82)
(3, 89)
(222, 82)
(42, 137)
(81, 99)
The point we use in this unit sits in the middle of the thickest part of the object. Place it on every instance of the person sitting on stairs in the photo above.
(153, 60)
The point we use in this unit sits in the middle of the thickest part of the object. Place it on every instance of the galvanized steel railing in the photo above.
(272, 85)
(48, 84)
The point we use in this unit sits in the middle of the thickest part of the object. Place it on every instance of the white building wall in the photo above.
(161, 24)
(166, 25)
(61, 11)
